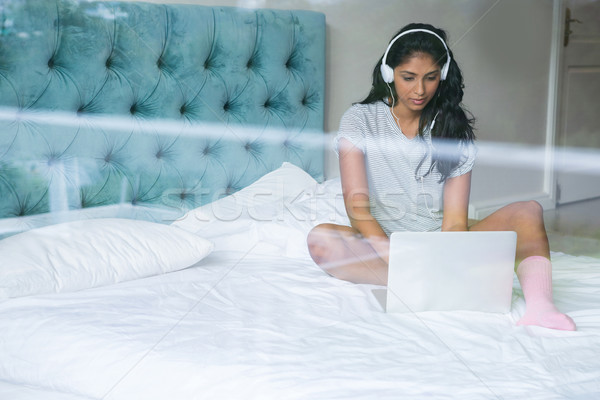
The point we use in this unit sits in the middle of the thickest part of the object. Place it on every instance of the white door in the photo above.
(578, 152)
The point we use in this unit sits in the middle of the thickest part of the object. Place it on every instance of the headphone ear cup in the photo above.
(387, 73)
(444, 73)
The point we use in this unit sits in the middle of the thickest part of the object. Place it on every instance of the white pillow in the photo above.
(274, 225)
(95, 252)
(262, 200)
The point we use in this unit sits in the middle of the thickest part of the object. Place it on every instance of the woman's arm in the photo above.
(456, 203)
(355, 189)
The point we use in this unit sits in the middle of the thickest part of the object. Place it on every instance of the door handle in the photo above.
(568, 21)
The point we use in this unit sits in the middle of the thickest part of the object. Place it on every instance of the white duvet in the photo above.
(256, 319)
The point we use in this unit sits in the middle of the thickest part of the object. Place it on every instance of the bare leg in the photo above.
(341, 252)
(534, 269)
(525, 218)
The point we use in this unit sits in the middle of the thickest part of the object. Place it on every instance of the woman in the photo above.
(406, 154)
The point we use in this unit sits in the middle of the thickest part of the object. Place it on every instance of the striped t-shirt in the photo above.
(400, 199)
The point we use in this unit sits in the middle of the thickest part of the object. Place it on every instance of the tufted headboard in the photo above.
(166, 105)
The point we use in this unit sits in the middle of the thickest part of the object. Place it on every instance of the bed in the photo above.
(160, 168)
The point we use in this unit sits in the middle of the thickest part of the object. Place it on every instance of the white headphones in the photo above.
(387, 73)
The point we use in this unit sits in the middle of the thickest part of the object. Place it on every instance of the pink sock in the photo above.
(535, 276)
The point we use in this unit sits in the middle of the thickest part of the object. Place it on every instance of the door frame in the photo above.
(554, 106)
(561, 134)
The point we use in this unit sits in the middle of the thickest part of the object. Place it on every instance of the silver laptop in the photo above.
(440, 271)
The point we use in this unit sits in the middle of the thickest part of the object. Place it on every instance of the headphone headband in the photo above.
(387, 73)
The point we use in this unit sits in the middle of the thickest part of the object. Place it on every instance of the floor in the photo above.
(575, 228)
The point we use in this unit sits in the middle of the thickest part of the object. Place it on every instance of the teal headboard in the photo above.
(172, 105)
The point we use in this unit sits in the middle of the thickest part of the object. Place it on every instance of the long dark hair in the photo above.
(453, 128)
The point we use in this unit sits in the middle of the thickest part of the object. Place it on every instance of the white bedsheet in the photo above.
(257, 319)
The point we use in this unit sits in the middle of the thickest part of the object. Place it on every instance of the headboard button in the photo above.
(52, 159)
(230, 189)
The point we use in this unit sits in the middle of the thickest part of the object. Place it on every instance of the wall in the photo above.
(504, 49)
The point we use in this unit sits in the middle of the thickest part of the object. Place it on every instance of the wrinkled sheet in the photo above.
(257, 319)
